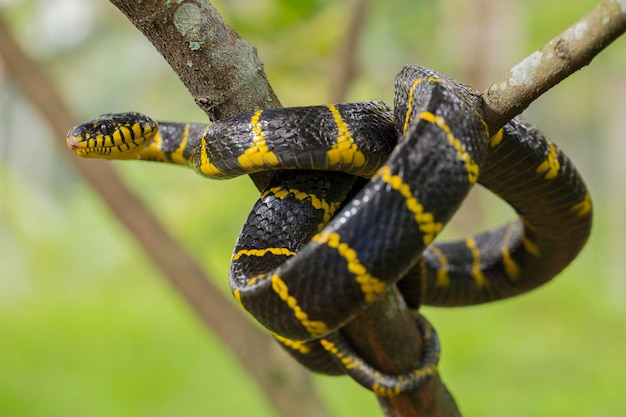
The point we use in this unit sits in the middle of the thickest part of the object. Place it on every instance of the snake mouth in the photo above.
(87, 146)
(71, 141)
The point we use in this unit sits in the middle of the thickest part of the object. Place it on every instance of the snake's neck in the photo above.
(174, 143)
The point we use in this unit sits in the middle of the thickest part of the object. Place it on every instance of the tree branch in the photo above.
(346, 61)
(386, 336)
(543, 69)
(221, 70)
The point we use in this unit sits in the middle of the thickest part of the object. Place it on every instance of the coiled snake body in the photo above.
(321, 244)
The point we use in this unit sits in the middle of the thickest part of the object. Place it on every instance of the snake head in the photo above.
(112, 136)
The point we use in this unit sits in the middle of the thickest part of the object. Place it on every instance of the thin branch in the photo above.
(345, 66)
(543, 69)
(177, 266)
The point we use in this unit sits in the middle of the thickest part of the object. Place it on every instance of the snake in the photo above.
(359, 194)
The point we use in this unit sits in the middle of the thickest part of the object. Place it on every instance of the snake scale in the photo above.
(360, 194)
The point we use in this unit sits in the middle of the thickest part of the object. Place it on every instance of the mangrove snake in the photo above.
(372, 190)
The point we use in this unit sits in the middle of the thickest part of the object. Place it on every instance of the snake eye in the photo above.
(107, 128)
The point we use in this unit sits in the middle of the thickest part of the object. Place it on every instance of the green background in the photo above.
(88, 327)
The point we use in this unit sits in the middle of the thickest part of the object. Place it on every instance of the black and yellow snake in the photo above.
(360, 195)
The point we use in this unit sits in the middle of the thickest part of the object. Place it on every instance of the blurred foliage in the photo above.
(88, 328)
